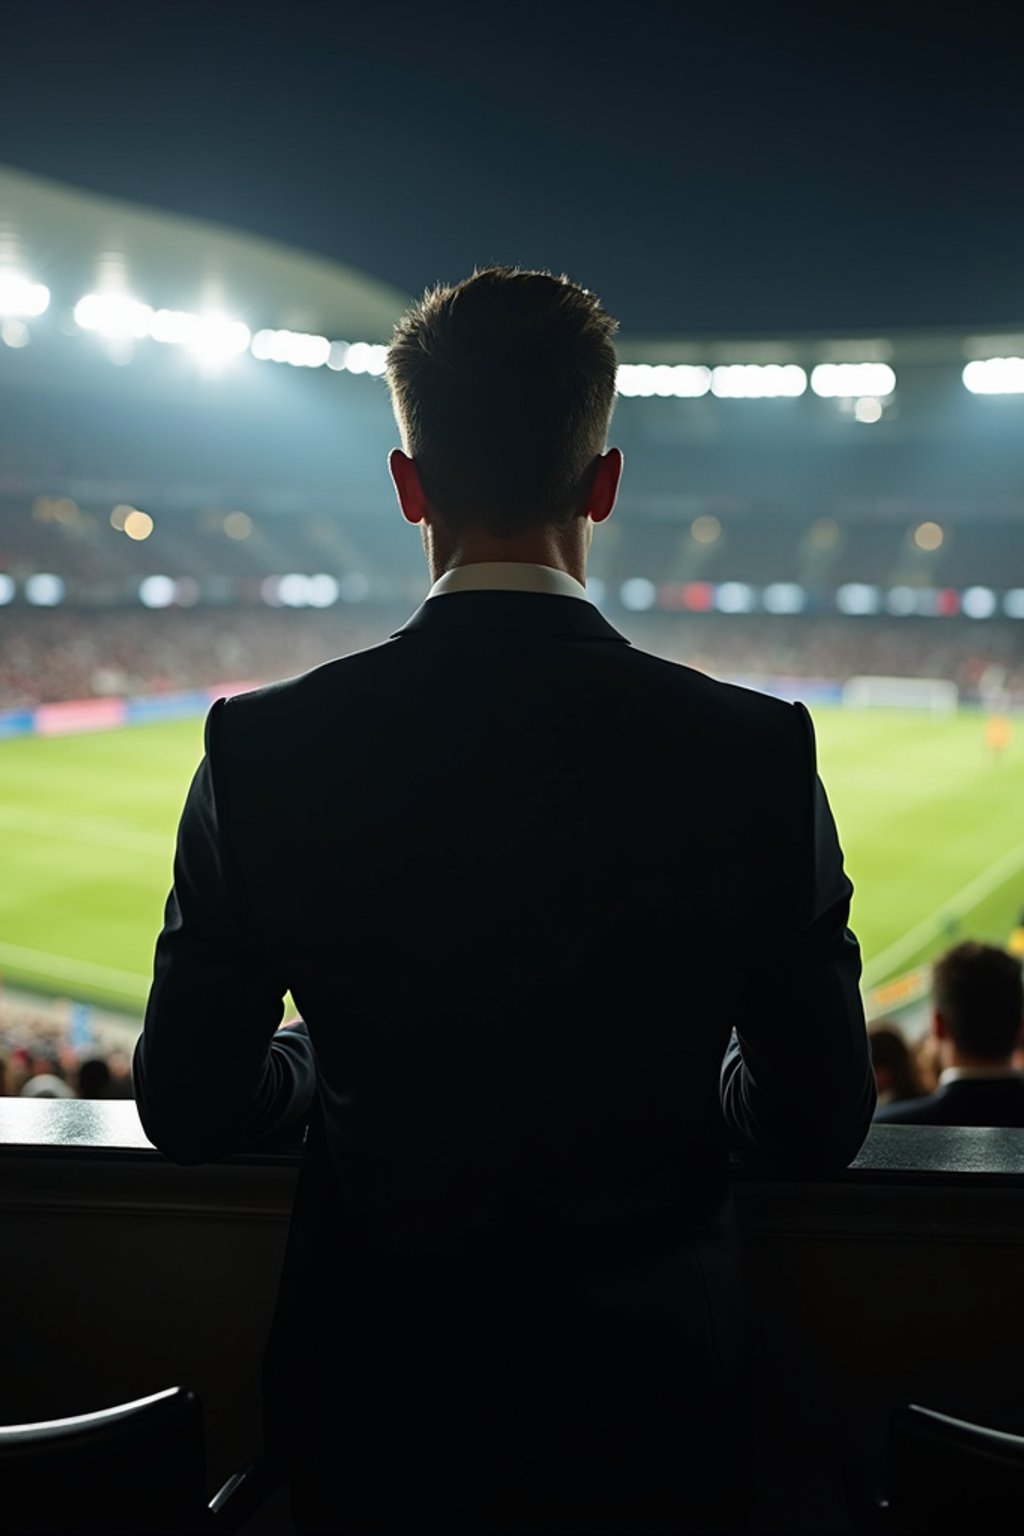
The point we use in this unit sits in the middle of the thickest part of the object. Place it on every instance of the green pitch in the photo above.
(932, 825)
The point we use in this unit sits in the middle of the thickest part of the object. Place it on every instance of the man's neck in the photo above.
(960, 1060)
(543, 547)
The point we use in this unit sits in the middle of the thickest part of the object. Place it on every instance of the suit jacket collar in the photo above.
(481, 612)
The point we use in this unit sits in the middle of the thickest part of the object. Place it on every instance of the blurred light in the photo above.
(44, 590)
(995, 376)
(19, 296)
(948, 603)
(824, 534)
(685, 381)
(238, 525)
(362, 357)
(928, 536)
(157, 591)
(851, 380)
(706, 529)
(119, 515)
(218, 337)
(174, 327)
(322, 590)
(868, 410)
(784, 597)
(597, 590)
(6, 588)
(138, 525)
(354, 587)
(337, 355)
(270, 591)
(1013, 603)
(978, 602)
(900, 601)
(734, 597)
(14, 333)
(758, 381)
(698, 596)
(637, 594)
(858, 597)
(294, 347)
(293, 591)
(113, 314)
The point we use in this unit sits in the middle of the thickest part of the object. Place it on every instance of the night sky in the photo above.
(709, 168)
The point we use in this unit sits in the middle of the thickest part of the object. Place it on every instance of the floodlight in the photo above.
(157, 591)
(784, 597)
(293, 591)
(900, 601)
(363, 357)
(14, 333)
(868, 410)
(706, 529)
(757, 381)
(734, 597)
(174, 327)
(322, 590)
(978, 602)
(113, 314)
(337, 355)
(20, 296)
(44, 590)
(6, 588)
(218, 337)
(1013, 603)
(138, 525)
(858, 598)
(850, 381)
(638, 594)
(995, 376)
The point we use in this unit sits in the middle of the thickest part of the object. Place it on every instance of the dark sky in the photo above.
(703, 168)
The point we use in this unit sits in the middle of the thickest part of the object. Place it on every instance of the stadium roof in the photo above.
(77, 242)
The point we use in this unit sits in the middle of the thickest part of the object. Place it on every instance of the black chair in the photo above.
(138, 1469)
(948, 1477)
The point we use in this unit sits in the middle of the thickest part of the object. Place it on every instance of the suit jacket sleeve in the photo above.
(213, 1073)
(798, 1087)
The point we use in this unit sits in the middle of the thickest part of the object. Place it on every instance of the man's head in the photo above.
(503, 388)
(978, 1001)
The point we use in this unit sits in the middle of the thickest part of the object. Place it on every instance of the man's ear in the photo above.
(604, 487)
(408, 487)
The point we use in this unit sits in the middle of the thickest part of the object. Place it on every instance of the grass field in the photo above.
(932, 825)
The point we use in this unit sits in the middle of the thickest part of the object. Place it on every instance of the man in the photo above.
(524, 883)
(978, 1004)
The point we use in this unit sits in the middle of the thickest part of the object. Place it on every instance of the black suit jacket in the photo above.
(965, 1101)
(526, 884)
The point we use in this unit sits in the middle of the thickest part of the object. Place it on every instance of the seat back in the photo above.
(137, 1469)
(946, 1475)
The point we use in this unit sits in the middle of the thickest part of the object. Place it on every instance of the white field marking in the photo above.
(85, 829)
(879, 966)
(85, 972)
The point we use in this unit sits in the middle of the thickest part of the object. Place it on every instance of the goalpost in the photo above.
(934, 695)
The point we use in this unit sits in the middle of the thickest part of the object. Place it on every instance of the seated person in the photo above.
(978, 1002)
(896, 1074)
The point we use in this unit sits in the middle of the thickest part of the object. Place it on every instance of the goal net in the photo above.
(934, 695)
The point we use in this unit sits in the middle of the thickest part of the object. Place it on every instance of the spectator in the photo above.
(46, 1085)
(896, 1074)
(978, 1009)
(94, 1079)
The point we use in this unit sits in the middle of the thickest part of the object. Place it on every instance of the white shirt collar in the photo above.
(508, 576)
(969, 1074)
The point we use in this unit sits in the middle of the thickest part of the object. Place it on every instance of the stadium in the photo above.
(193, 500)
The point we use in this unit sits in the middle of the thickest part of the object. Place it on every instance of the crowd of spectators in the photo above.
(59, 1049)
(49, 655)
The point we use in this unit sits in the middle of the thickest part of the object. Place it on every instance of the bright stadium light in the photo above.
(784, 597)
(758, 381)
(20, 296)
(849, 381)
(337, 355)
(113, 314)
(978, 603)
(174, 327)
(6, 588)
(868, 410)
(685, 381)
(1013, 603)
(14, 333)
(705, 529)
(44, 590)
(322, 590)
(218, 337)
(900, 601)
(137, 525)
(157, 591)
(363, 357)
(734, 597)
(638, 594)
(295, 347)
(293, 591)
(858, 598)
(995, 376)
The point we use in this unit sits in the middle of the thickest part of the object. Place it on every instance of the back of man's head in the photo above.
(503, 387)
(978, 993)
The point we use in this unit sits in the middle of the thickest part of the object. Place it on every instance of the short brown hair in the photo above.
(979, 992)
(504, 386)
